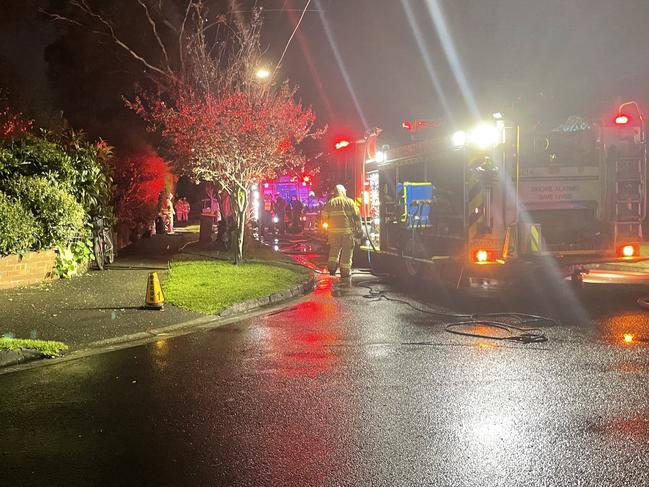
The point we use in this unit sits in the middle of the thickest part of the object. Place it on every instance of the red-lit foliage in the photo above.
(139, 178)
(12, 122)
(235, 139)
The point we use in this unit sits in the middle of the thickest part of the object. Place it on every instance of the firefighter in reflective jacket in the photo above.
(342, 216)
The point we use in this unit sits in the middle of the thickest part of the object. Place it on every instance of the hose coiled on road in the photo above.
(461, 324)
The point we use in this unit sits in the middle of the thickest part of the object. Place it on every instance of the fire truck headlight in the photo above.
(484, 136)
(458, 139)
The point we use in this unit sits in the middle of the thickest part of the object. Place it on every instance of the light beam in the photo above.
(341, 65)
(427, 60)
(445, 38)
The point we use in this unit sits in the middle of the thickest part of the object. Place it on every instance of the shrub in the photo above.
(68, 259)
(18, 227)
(91, 181)
(35, 156)
(59, 215)
(68, 160)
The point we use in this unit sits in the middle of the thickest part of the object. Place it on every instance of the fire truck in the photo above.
(486, 207)
(287, 187)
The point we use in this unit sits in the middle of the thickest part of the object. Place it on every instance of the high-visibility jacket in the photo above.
(340, 213)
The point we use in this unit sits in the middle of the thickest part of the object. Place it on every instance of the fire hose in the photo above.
(513, 324)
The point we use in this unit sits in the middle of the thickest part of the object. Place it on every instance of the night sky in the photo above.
(552, 56)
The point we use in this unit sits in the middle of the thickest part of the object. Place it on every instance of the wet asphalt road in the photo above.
(344, 390)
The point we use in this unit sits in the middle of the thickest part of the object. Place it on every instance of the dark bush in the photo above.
(67, 160)
(60, 217)
(18, 227)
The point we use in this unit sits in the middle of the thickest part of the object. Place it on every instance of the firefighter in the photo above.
(296, 213)
(167, 212)
(279, 208)
(311, 211)
(267, 215)
(342, 216)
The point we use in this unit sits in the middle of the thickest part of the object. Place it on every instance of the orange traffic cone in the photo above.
(154, 296)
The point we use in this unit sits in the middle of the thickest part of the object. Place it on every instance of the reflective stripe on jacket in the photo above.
(340, 213)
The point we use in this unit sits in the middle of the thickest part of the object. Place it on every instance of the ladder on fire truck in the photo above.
(630, 194)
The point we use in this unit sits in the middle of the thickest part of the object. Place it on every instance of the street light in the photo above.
(262, 73)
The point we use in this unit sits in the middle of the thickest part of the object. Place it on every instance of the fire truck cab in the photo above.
(485, 207)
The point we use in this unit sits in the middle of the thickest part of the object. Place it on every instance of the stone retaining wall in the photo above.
(31, 268)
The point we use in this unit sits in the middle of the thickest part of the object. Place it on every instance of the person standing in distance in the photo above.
(342, 216)
(279, 208)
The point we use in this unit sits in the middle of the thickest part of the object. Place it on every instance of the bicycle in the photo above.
(102, 243)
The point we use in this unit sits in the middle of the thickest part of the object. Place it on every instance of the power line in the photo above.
(291, 38)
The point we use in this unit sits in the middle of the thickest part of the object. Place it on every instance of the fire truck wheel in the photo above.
(413, 268)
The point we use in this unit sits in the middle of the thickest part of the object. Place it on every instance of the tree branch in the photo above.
(86, 9)
(154, 29)
(180, 38)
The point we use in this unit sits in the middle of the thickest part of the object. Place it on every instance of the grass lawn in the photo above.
(190, 228)
(209, 286)
(253, 251)
(49, 348)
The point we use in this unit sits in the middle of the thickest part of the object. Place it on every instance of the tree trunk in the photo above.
(240, 213)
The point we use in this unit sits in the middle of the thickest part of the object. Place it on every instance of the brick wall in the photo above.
(31, 268)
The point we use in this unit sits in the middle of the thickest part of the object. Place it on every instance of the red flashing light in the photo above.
(342, 144)
(306, 179)
(622, 120)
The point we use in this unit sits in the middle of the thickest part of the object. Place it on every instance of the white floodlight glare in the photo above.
(380, 156)
(484, 136)
(498, 116)
(458, 139)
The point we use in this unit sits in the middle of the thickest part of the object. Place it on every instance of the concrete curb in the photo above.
(22, 355)
(275, 298)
